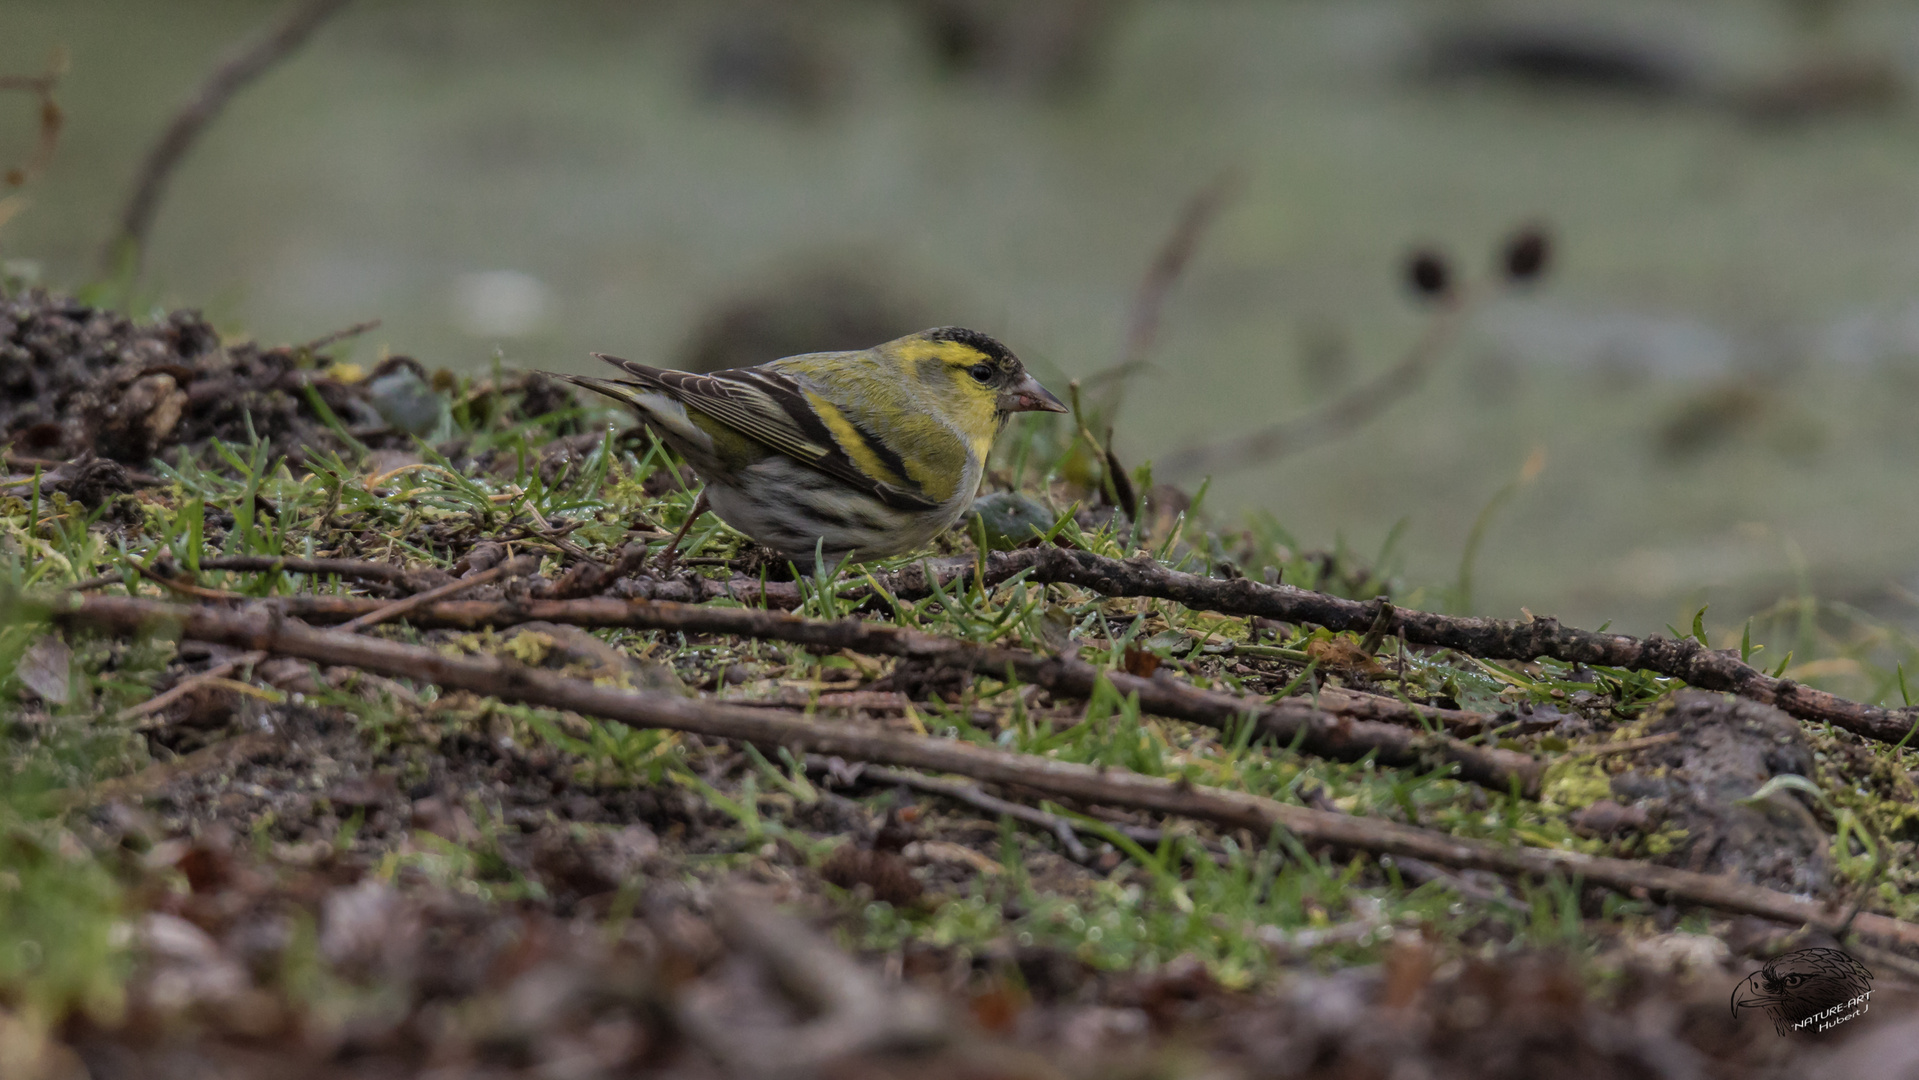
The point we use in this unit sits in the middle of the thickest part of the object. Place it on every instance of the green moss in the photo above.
(529, 647)
(1573, 783)
(1664, 842)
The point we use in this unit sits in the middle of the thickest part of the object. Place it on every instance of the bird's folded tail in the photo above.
(625, 393)
(661, 412)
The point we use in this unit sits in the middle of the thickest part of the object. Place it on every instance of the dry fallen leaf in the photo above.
(47, 670)
(1140, 662)
(1343, 654)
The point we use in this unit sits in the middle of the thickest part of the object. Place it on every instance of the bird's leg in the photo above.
(672, 551)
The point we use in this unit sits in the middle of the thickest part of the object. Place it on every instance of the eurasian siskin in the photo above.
(861, 454)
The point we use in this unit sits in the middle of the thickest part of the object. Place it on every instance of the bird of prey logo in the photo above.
(1808, 990)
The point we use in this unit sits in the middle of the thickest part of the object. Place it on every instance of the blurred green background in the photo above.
(1719, 371)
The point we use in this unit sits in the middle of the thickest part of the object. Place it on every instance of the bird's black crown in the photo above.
(1000, 355)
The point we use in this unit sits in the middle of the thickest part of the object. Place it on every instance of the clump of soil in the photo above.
(76, 379)
(1700, 782)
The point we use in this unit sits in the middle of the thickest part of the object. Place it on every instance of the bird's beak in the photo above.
(1028, 395)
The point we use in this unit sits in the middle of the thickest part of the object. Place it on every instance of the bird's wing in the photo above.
(770, 407)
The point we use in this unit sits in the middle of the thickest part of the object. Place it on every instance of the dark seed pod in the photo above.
(1429, 275)
(1526, 254)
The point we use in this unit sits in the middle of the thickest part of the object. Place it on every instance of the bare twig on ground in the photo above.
(336, 336)
(98, 582)
(1498, 639)
(588, 577)
(188, 685)
(1683, 659)
(236, 69)
(261, 629)
(1626, 746)
(363, 569)
(971, 795)
(183, 588)
(25, 462)
(907, 583)
(383, 613)
(686, 618)
(524, 564)
(557, 536)
(1293, 721)
(1345, 414)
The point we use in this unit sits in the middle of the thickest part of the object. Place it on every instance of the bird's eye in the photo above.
(981, 372)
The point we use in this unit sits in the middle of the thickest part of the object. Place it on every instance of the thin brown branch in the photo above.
(516, 567)
(346, 568)
(37, 84)
(336, 336)
(236, 69)
(1499, 639)
(1347, 413)
(52, 119)
(25, 462)
(262, 629)
(188, 685)
(1291, 722)
(379, 614)
(971, 795)
(183, 588)
(1625, 746)
(267, 564)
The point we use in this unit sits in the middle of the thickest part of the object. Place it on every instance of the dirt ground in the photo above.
(297, 918)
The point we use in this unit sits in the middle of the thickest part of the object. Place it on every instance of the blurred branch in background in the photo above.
(241, 66)
(1168, 265)
(1348, 413)
(1044, 47)
(40, 86)
(1523, 259)
(1826, 78)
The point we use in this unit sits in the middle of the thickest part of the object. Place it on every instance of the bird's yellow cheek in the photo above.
(977, 412)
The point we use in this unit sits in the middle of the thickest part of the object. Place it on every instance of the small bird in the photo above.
(853, 454)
